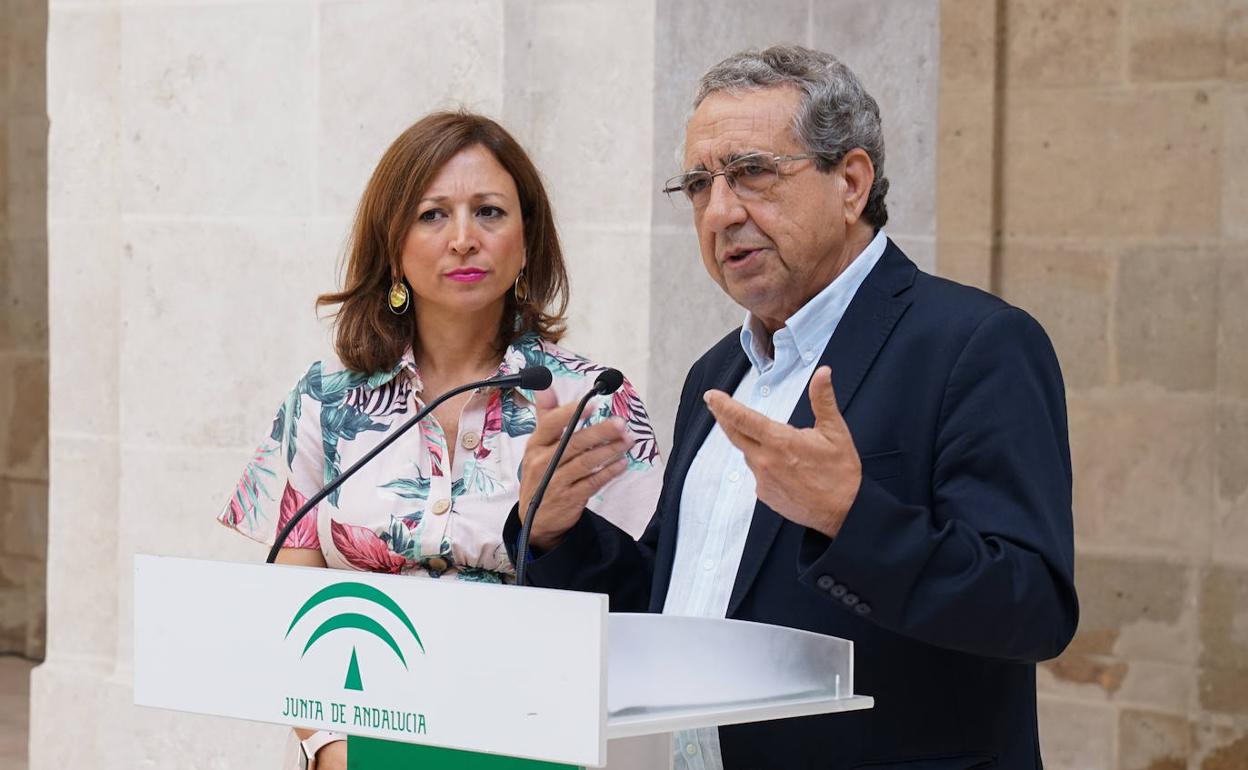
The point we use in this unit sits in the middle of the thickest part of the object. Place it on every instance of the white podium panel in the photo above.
(488, 668)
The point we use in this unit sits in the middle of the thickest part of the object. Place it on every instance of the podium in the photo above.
(449, 673)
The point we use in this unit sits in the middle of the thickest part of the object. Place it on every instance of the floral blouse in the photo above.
(408, 511)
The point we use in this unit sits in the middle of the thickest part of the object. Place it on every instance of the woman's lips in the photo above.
(467, 276)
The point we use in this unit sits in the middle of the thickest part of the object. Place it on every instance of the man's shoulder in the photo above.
(951, 312)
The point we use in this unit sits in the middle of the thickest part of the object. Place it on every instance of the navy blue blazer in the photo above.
(954, 570)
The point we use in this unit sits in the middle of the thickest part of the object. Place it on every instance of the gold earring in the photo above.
(521, 289)
(400, 299)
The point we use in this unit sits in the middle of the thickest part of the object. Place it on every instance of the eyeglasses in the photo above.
(748, 176)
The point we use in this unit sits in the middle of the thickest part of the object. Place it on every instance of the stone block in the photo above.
(965, 261)
(921, 249)
(1220, 746)
(1149, 741)
(1232, 366)
(375, 80)
(1069, 289)
(966, 178)
(24, 416)
(1060, 43)
(1230, 529)
(1237, 39)
(1143, 469)
(1175, 39)
(1165, 317)
(217, 122)
(26, 202)
(1126, 682)
(84, 268)
(1132, 609)
(27, 57)
(1235, 162)
(83, 564)
(968, 44)
(604, 262)
(1127, 182)
(906, 84)
(1076, 736)
(593, 145)
(24, 296)
(1224, 643)
(24, 519)
(84, 103)
(218, 324)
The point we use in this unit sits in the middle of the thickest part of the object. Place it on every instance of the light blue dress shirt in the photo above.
(718, 501)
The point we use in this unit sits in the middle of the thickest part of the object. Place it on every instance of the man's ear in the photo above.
(859, 176)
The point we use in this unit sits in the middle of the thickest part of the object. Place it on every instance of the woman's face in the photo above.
(466, 246)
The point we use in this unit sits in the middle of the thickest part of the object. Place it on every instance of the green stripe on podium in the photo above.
(373, 754)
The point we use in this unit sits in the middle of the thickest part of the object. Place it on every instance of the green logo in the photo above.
(355, 621)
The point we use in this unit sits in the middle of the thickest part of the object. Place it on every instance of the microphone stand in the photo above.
(529, 378)
(607, 383)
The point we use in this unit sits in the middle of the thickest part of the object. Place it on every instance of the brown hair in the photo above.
(368, 337)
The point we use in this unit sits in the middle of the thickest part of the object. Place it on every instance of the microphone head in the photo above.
(608, 382)
(535, 378)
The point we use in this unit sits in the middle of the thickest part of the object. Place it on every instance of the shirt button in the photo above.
(441, 507)
(734, 477)
(808, 357)
(708, 564)
(436, 564)
(691, 749)
(471, 440)
(764, 391)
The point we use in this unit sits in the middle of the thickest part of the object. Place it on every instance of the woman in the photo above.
(454, 274)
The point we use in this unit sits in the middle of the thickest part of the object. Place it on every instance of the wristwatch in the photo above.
(314, 743)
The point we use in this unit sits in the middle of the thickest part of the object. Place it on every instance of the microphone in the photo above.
(607, 383)
(528, 378)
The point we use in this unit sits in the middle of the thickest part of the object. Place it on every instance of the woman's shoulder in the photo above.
(328, 379)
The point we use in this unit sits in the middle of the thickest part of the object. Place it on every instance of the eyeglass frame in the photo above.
(669, 188)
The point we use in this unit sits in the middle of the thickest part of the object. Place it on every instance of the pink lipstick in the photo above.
(467, 274)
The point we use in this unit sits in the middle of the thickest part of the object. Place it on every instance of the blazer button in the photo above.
(441, 507)
(850, 599)
(862, 608)
(471, 440)
(838, 591)
(825, 582)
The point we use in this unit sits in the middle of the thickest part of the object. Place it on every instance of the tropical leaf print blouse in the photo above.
(407, 511)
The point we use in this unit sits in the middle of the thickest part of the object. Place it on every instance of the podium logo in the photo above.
(354, 621)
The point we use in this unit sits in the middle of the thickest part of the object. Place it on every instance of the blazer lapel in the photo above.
(726, 375)
(862, 331)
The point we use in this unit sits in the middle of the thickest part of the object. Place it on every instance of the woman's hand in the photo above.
(332, 756)
(594, 456)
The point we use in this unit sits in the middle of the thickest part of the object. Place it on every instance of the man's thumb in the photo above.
(823, 396)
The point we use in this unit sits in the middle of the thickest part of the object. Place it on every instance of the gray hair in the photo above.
(836, 114)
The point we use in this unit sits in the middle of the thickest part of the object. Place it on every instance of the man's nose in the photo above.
(724, 208)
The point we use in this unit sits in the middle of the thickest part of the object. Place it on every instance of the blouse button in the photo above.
(436, 564)
(441, 507)
(471, 440)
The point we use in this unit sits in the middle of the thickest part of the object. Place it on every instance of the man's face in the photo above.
(774, 252)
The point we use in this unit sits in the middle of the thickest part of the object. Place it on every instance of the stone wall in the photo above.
(23, 327)
(1094, 158)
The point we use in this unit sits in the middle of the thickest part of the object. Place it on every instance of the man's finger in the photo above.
(735, 417)
(552, 422)
(823, 397)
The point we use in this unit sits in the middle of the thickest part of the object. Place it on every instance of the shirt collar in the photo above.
(813, 324)
(514, 359)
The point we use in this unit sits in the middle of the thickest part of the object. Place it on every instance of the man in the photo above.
(891, 467)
